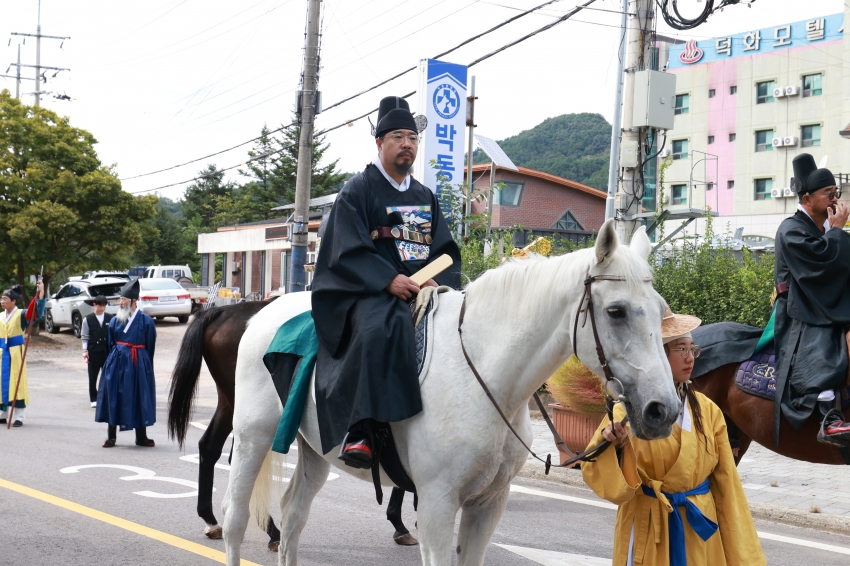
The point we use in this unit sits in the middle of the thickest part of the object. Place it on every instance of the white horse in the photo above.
(459, 453)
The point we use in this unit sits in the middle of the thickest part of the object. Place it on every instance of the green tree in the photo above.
(573, 146)
(172, 243)
(59, 206)
(273, 170)
(201, 197)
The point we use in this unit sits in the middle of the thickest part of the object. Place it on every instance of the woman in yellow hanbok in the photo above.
(680, 498)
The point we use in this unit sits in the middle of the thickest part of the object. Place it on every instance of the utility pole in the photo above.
(616, 128)
(37, 66)
(308, 99)
(470, 122)
(637, 57)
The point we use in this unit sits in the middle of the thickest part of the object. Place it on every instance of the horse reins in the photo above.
(585, 306)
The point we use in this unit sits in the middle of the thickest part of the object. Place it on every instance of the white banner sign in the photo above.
(442, 100)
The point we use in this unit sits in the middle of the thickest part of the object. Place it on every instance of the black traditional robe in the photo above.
(811, 353)
(366, 367)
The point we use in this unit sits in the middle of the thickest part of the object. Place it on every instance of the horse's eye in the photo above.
(616, 312)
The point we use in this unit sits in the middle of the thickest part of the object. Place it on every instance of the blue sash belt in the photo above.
(702, 525)
(13, 341)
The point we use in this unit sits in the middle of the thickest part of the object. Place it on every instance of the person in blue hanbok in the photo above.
(127, 395)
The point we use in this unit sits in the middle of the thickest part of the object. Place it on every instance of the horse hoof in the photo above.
(274, 545)
(406, 539)
(213, 532)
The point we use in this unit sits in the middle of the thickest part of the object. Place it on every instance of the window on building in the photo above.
(731, 138)
(680, 194)
(509, 195)
(732, 90)
(763, 188)
(712, 93)
(764, 92)
(568, 222)
(730, 184)
(710, 140)
(812, 85)
(709, 186)
(680, 149)
(811, 136)
(764, 140)
(683, 103)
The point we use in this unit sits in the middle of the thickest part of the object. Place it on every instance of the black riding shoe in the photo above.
(356, 453)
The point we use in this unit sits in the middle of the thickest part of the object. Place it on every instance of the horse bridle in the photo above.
(585, 307)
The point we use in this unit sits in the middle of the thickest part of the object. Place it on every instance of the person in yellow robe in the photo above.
(680, 499)
(13, 324)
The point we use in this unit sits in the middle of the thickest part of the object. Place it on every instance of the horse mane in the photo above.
(527, 286)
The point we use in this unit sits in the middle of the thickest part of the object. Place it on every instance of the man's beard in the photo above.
(403, 168)
(123, 314)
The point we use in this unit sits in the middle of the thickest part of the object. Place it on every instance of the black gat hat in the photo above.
(807, 177)
(13, 292)
(394, 114)
(131, 289)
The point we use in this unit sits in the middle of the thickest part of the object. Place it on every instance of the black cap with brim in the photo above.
(131, 289)
(394, 114)
(99, 300)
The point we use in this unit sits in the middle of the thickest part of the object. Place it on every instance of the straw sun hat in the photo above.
(675, 326)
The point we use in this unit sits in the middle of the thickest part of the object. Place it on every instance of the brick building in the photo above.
(542, 203)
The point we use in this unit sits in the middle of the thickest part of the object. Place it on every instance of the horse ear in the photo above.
(640, 243)
(606, 241)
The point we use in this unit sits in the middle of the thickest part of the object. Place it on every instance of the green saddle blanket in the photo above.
(298, 337)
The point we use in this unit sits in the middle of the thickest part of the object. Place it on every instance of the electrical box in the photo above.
(629, 154)
(655, 100)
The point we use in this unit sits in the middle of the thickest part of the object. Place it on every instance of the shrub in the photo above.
(715, 284)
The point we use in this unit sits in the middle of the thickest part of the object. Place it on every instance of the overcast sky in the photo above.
(161, 82)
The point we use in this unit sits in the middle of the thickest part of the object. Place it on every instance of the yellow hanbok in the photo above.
(12, 349)
(674, 465)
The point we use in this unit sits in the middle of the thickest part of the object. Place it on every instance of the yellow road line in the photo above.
(169, 539)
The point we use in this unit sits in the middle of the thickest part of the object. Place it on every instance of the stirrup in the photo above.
(841, 440)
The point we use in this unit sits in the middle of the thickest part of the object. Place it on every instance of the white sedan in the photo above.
(160, 297)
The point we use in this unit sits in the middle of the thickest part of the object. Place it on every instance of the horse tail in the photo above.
(184, 378)
(267, 487)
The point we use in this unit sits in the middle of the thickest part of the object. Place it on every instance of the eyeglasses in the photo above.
(685, 352)
(836, 194)
(399, 137)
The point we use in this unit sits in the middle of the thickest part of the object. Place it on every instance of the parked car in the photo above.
(160, 297)
(89, 275)
(176, 272)
(66, 307)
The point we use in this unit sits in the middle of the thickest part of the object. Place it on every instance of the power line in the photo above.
(326, 108)
(561, 19)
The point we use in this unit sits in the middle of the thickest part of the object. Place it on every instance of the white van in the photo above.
(176, 272)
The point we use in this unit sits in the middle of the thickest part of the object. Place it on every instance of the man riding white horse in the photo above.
(384, 227)
(812, 306)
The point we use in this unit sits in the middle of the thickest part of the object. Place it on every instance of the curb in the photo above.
(767, 511)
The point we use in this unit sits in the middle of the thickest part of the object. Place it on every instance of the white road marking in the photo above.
(753, 486)
(142, 474)
(552, 558)
(550, 495)
(196, 459)
(202, 426)
(606, 505)
(808, 543)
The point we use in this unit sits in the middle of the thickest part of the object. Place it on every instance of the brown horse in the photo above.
(753, 417)
(213, 336)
